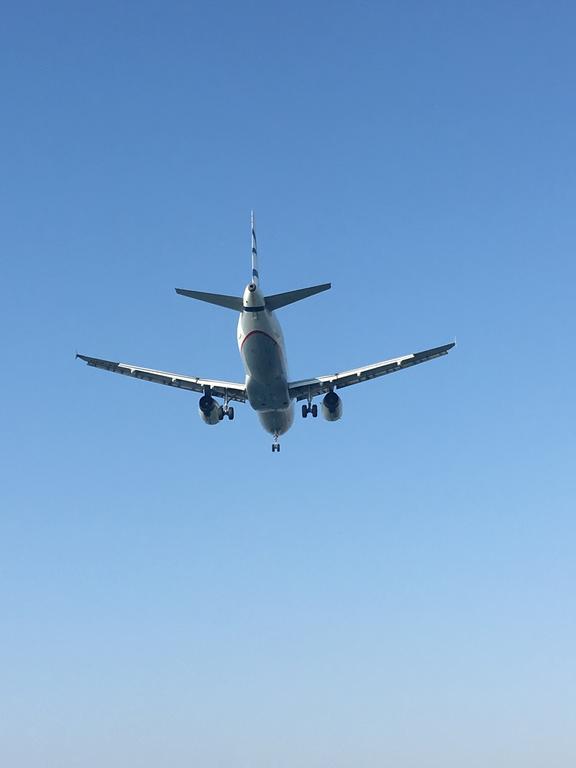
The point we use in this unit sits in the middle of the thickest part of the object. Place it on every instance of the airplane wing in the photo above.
(217, 388)
(308, 388)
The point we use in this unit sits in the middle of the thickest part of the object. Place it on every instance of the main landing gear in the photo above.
(276, 444)
(227, 411)
(308, 408)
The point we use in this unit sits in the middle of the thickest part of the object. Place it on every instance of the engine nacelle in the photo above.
(332, 407)
(210, 411)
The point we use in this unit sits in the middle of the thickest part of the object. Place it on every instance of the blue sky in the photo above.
(394, 589)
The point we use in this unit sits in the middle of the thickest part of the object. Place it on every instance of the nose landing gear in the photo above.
(276, 444)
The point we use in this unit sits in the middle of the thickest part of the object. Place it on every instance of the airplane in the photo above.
(266, 387)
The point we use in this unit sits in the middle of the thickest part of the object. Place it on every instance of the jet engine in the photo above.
(210, 411)
(332, 407)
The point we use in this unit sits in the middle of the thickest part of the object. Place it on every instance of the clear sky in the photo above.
(396, 589)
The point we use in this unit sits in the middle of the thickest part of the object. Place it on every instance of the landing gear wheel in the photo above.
(275, 447)
(231, 414)
(309, 408)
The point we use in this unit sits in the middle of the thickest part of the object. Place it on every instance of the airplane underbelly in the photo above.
(277, 422)
(266, 384)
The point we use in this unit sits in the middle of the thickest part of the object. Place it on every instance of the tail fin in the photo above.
(255, 275)
(272, 302)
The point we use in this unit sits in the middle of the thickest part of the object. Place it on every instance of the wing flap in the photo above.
(218, 388)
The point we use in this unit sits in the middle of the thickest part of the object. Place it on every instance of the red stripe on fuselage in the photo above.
(245, 339)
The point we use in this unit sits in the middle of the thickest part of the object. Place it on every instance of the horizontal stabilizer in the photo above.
(230, 302)
(283, 299)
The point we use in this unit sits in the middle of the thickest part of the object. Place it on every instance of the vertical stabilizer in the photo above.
(255, 275)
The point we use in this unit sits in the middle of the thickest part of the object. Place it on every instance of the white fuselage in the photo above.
(261, 346)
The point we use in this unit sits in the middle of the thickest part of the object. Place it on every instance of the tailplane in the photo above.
(230, 302)
(279, 300)
(276, 301)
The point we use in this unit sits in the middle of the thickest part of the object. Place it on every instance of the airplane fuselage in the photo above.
(261, 346)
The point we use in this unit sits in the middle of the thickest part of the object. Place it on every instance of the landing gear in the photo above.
(276, 444)
(306, 409)
(226, 411)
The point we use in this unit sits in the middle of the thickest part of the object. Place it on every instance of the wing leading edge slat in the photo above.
(218, 388)
(301, 390)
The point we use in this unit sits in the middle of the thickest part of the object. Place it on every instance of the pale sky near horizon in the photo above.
(393, 589)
